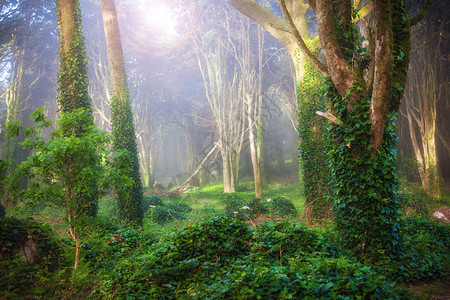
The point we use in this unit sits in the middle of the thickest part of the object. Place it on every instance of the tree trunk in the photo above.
(122, 122)
(252, 141)
(14, 98)
(421, 96)
(311, 178)
(227, 170)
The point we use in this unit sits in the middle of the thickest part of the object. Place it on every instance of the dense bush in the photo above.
(181, 208)
(175, 258)
(162, 215)
(281, 207)
(150, 201)
(304, 277)
(232, 201)
(282, 240)
(110, 242)
(425, 253)
(258, 207)
(223, 258)
(235, 206)
(28, 253)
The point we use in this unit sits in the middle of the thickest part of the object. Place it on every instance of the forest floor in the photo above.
(433, 290)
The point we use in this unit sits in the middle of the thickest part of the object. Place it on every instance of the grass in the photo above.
(205, 203)
(210, 193)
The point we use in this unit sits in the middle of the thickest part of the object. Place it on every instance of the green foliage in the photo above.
(237, 207)
(110, 242)
(151, 200)
(416, 199)
(67, 172)
(158, 212)
(367, 207)
(177, 255)
(258, 207)
(181, 208)
(123, 135)
(222, 258)
(233, 202)
(73, 82)
(282, 240)
(312, 150)
(65, 169)
(162, 215)
(28, 255)
(424, 255)
(281, 207)
(3, 175)
(108, 207)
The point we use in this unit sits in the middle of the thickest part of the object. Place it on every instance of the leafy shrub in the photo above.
(232, 201)
(281, 207)
(110, 242)
(258, 207)
(28, 253)
(151, 200)
(425, 253)
(303, 278)
(181, 208)
(235, 205)
(281, 240)
(162, 214)
(176, 257)
(223, 258)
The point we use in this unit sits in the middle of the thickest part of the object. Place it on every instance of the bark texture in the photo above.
(122, 121)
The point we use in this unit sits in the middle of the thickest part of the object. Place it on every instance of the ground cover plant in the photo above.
(206, 252)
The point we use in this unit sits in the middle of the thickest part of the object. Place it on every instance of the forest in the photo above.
(224, 149)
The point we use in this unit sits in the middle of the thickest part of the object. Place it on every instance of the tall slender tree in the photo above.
(21, 47)
(80, 197)
(312, 147)
(122, 121)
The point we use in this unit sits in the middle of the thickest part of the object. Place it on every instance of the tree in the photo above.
(73, 85)
(254, 105)
(74, 98)
(423, 93)
(122, 122)
(24, 26)
(311, 148)
(364, 91)
(226, 88)
(64, 172)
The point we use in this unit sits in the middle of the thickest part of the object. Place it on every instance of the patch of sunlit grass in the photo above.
(291, 191)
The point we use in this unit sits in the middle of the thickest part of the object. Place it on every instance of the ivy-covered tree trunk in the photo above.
(122, 121)
(73, 93)
(80, 196)
(312, 164)
(364, 88)
(312, 150)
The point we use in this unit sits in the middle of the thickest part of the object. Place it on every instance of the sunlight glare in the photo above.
(160, 18)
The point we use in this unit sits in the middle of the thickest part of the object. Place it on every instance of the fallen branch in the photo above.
(181, 188)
